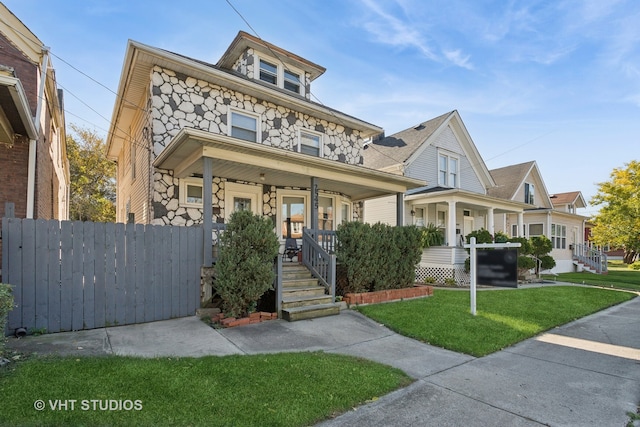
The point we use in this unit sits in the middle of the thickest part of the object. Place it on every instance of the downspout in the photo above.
(31, 173)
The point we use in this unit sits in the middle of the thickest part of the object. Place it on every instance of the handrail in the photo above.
(325, 238)
(320, 262)
(278, 284)
(591, 256)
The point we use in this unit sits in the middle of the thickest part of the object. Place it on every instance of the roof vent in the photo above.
(419, 127)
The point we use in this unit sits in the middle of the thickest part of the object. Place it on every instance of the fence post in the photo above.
(9, 210)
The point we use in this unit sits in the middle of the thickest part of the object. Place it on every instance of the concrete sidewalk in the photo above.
(584, 373)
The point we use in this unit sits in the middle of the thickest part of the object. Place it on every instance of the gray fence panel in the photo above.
(41, 240)
(120, 275)
(66, 275)
(88, 272)
(29, 274)
(74, 275)
(77, 298)
(100, 275)
(53, 267)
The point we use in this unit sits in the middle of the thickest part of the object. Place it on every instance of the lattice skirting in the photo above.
(441, 272)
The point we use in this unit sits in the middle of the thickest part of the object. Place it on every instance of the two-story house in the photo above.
(456, 198)
(552, 215)
(195, 142)
(34, 170)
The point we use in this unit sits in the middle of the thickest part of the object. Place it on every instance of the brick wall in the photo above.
(24, 69)
(14, 161)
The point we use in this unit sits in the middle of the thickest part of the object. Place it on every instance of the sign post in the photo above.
(473, 246)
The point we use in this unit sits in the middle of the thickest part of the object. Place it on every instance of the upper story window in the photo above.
(529, 193)
(310, 143)
(281, 76)
(268, 72)
(291, 81)
(447, 171)
(244, 126)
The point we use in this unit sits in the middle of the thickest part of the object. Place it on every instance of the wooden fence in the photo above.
(83, 275)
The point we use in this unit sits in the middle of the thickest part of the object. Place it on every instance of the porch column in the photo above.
(520, 223)
(314, 203)
(451, 227)
(207, 209)
(399, 209)
(490, 226)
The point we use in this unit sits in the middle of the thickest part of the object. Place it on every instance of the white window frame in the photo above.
(349, 206)
(184, 183)
(280, 76)
(530, 191)
(537, 223)
(280, 195)
(234, 189)
(559, 236)
(446, 182)
(245, 113)
(313, 133)
(268, 72)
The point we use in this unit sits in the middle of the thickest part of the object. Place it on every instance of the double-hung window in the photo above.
(268, 72)
(310, 143)
(447, 171)
(244, 126)
(529, 193)
(559, 236)
(291, 81)
(191, 194)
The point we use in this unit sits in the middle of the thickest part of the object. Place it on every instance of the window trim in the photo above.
(280, 75)
(194, 182)
(268, 72)
(558, 240)
(234, 189)
(535, 223)
(248, 114)
(447, 171)
(313, 133)
(280, 195)
(529, 193)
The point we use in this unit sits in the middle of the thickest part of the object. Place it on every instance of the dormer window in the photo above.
(268, 72)
(291, 81)
(282, 76)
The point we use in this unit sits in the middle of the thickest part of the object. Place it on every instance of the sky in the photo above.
(555, 81)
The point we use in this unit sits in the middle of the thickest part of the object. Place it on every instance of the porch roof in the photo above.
(248, 161)
(466, 199)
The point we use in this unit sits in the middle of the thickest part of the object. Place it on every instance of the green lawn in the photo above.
(288, 389)
(618, 277)
(504, 317)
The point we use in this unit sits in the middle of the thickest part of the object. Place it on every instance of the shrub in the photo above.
(432, 236)
(377, 257)
(635, 265)
(429, 280)
(6, 305)
(244, 271)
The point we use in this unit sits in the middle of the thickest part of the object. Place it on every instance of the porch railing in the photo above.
(590, 256)
(216, 232)
(321, 262)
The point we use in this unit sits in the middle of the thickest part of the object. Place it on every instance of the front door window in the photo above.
(241, 204)
(293, 210)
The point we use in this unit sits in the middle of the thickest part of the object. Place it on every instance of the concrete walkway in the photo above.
(584, 373)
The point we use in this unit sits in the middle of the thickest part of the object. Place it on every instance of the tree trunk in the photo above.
(629, 256)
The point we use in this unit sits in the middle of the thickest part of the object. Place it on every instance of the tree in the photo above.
(618, 222)
(93, 188)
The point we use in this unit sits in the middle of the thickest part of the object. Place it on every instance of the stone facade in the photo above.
(179, 101)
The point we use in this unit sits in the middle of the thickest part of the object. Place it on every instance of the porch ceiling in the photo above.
(466, 199)
(246, 161)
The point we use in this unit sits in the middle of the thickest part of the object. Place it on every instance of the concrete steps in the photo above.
(302, 296)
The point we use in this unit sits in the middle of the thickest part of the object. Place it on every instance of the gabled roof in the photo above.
(402, 148)
(509, 179)
(573, 197)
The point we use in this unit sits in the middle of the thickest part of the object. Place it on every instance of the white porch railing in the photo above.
(590, 256)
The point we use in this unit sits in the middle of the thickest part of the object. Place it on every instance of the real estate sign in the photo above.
(498, 267)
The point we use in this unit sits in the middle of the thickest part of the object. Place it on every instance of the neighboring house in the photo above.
(34, 170)
(455, 199)
(554, 216)
(195, 142)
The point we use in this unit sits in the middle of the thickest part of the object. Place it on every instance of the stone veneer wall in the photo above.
(179, 101)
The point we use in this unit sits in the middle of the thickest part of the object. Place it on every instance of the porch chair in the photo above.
(291, 248)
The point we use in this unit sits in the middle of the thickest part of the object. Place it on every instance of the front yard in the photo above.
(619, 277)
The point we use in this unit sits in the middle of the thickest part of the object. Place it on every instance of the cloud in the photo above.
(390, 29)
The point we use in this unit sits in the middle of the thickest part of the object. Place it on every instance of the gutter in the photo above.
(31, 174)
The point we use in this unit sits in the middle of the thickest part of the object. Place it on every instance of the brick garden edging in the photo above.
(230, 322)
(418, 291)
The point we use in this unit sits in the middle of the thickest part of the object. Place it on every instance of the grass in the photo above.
(288, 389)
(504, 317)
(618, 277)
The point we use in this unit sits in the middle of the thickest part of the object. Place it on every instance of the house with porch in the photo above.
(456, 198)
(552, 215)
(195, 141)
